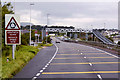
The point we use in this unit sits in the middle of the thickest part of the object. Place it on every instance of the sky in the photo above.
(86, 15)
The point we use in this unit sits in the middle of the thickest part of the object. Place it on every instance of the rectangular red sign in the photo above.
(12, 37)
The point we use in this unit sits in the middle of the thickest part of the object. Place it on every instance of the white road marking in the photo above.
(99, 76)
(38, 74)
(85, 57)
(90, 64)
(81, 53)
(41, 70)
(44, 68)
(34, 78)
(102, 51)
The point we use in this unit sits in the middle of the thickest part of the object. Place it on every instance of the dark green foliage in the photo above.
(48, 39)
(110, 38)
(44, 40)
(6, 50)
(89, 38)
(118, 42)
(25, 39)
(6, 9)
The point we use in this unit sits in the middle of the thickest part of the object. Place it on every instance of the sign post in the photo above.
(12, 31)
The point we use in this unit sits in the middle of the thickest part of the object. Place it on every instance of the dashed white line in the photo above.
(99, 76)
(41, 71)
(90, 64)
(38, 74)
(34, 78)
(44, 68)
(85, 57)
(102, 51)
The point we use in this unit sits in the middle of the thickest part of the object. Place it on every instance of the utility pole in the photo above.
(30, 23)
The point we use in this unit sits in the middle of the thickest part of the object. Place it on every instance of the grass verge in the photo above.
(23, 55)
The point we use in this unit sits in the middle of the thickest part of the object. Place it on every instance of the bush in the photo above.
(118, 43)
(25, 39)
(44, 40)
(6, 50)
(48, 39)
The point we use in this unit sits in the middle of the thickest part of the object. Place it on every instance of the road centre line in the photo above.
(81, 57)
(82, 53)
(81, 72)
(85, 63)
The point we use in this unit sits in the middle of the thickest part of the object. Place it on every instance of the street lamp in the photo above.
(48, 19)
(104, 25)
(30, 22)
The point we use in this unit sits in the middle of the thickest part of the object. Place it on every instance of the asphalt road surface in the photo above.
(72, 60)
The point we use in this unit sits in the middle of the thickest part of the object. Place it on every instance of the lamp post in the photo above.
(47, 24)
(48, 19)
(104, 25)
(30, 22)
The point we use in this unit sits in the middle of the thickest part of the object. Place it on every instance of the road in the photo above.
(72, 60)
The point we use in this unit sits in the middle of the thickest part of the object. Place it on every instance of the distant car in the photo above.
(57, 42)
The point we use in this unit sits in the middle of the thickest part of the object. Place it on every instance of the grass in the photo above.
(48, 44)
(23, 55)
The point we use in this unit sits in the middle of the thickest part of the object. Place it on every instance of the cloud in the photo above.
(78, 14)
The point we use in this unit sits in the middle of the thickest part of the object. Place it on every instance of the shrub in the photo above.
(48, 39)
(25, 39)
(118, 43)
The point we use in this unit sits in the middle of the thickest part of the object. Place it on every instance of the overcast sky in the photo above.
(77, 14)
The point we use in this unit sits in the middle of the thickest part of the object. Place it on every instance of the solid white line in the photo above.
(99, 76)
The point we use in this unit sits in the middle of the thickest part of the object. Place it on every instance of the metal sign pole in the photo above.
(12, 31)
(13, 51)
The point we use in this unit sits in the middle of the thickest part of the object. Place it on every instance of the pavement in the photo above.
(72, 61)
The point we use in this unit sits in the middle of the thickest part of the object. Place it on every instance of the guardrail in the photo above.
(102, 38)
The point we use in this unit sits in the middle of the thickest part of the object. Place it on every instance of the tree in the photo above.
(7, 8)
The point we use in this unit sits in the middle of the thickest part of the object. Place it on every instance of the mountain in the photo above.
(25, 23)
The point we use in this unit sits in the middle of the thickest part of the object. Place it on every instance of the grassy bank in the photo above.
(23, 55)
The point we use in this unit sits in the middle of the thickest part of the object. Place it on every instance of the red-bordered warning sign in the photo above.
(12, 25)
(12, 29)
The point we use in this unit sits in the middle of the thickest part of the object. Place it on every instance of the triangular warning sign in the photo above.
(12, 25)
